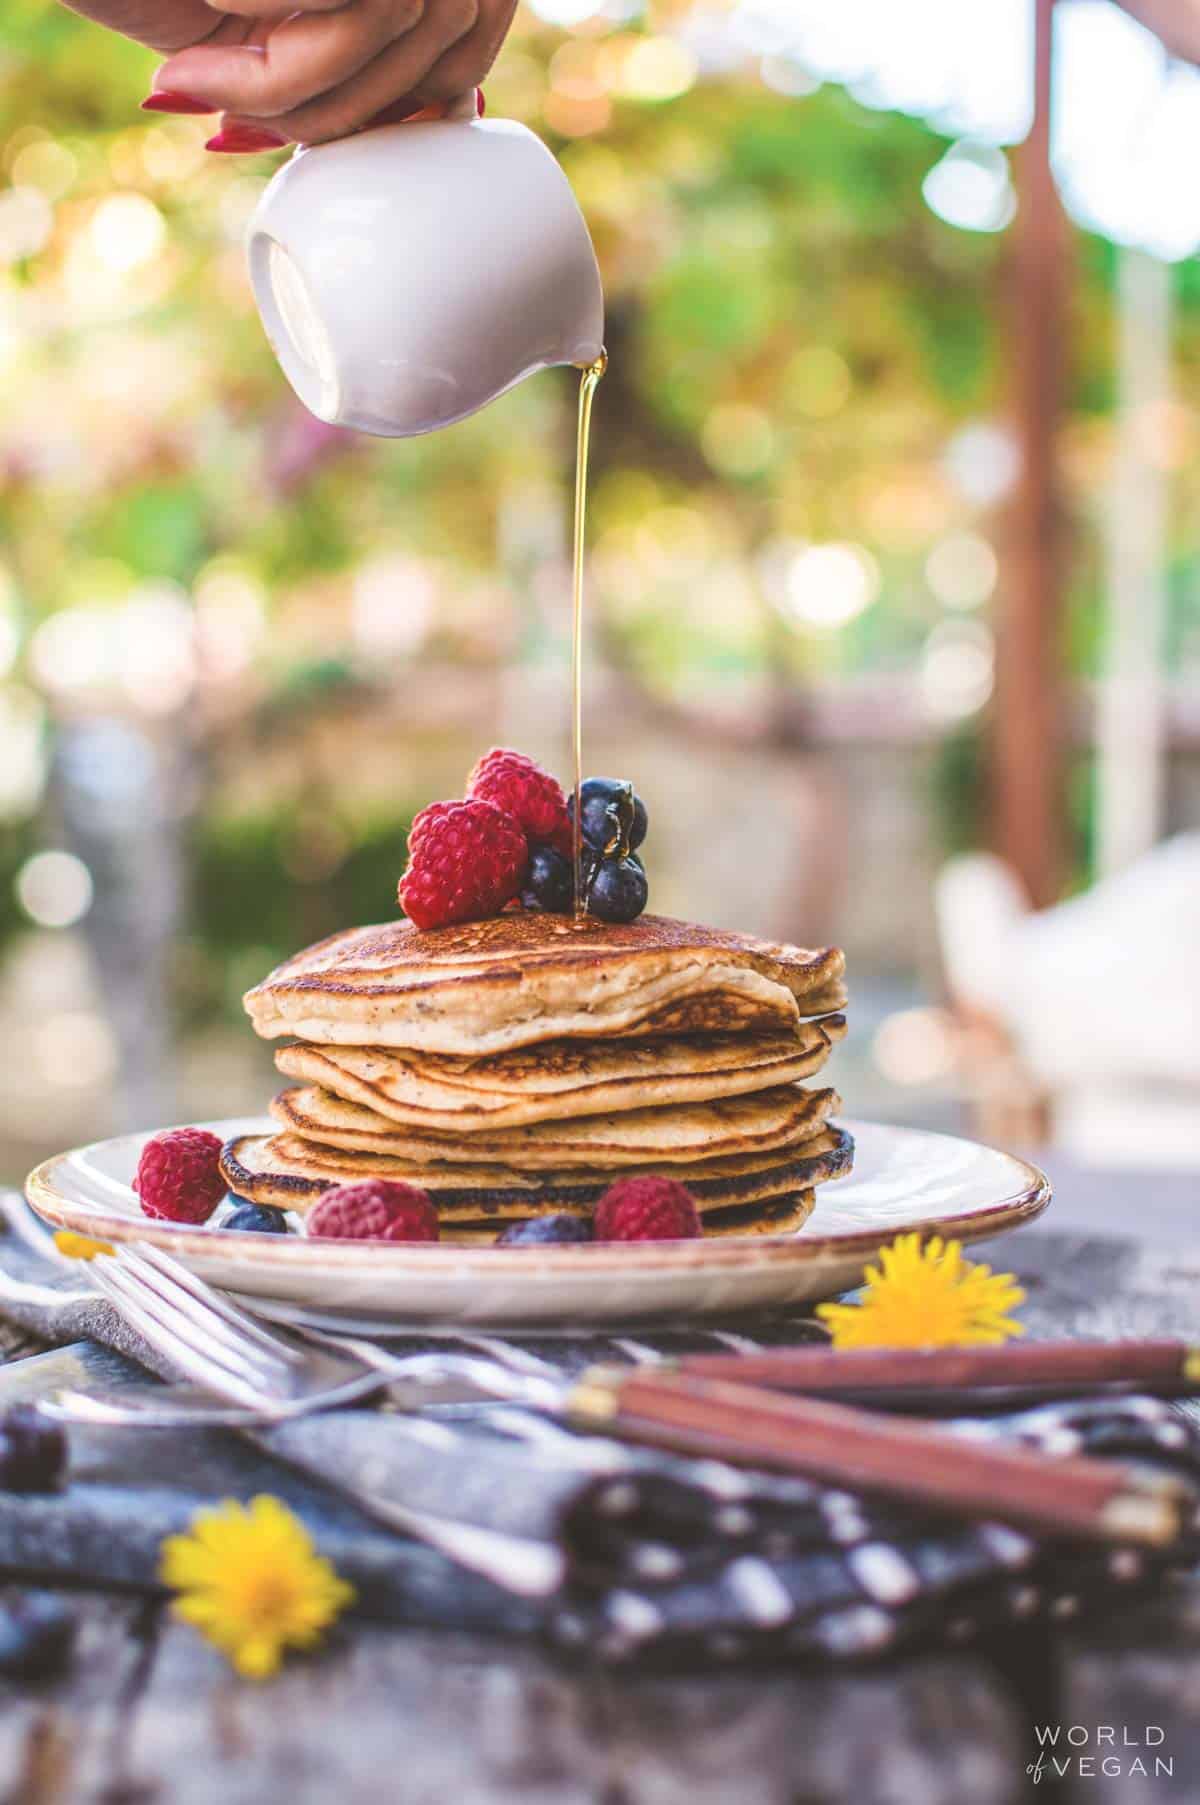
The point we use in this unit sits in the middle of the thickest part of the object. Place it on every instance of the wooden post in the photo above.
(1029, 805)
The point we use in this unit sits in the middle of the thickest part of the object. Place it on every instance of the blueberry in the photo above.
(550, 884)
(37, 1634)
(613, 815)
(33, 1451)
(618, 891)
(260, 1217)
(546, 1231)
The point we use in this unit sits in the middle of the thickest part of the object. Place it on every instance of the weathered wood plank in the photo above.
(430, 1718)
(63, 1741)
(1157, 1209)
(422, 1717)
(1092, 1285)
(1140, 1670)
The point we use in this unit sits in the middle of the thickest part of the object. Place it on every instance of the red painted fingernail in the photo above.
(480, 104)
(166, 100)
(245, 138)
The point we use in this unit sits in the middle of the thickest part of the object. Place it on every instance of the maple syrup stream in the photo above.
(587, 390)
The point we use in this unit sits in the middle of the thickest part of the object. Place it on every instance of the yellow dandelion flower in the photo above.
(926, 1295)
(250, 1580)
(79, 1247)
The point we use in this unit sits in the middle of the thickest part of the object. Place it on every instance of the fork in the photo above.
(229, 1351)
(221, 1346)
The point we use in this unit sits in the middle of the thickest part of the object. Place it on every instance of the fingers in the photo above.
(400, 70)
(463, 67)
(301, 57)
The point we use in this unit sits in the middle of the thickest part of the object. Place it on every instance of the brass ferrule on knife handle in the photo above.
(595, 1400)
(749, 1426)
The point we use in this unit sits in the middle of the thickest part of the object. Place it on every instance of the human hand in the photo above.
(319, 70)
(162, 24)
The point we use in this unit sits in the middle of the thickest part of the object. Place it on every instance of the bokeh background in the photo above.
(239, 649)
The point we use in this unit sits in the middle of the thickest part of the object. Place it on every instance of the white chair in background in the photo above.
(1086, 1015)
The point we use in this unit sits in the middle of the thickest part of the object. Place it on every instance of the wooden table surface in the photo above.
(150, 1713)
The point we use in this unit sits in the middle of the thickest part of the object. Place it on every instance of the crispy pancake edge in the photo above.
(768, 1176)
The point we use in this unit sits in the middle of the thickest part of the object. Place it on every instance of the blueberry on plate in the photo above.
(33, 1451)
(546, 1231)
(260, 1218)
(549, 883)
(37, 1634)
(618, 891)
(612, 814)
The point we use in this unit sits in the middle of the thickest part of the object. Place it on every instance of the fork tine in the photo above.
(126, 1289)
(197, 1365)
(224, 1334)
(179, 1274)
(174, 1333)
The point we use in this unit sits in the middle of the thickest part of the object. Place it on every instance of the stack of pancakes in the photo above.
(515, 1067)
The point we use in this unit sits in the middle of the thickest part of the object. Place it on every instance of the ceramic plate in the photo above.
(903, 1179)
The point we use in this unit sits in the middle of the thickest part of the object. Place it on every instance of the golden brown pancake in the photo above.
(519, 978)
(559, 1078)
(723, 1128)
(778, 1216)
(292, 1173)
(686, 1132)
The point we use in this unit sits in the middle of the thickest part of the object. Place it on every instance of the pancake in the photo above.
(559, 1078)
(725, 1127)
(292, 1173)
(778, 1216)
(520, 978)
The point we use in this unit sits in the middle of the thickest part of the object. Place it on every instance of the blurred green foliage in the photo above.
(250, 909)
(795, 340)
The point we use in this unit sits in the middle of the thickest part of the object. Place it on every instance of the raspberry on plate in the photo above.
(647, 1209)
(375, 1209)
(533, 798)
(465, 861)
(179, 1175)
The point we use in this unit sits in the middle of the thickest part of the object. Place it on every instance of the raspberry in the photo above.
(179, 1175)
(465, 861)
(647, 1209)
(530, 795)
(376, 1209)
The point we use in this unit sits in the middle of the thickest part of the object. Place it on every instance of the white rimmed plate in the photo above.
(903, 1179)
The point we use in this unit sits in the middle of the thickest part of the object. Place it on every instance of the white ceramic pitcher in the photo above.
(411, 273)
